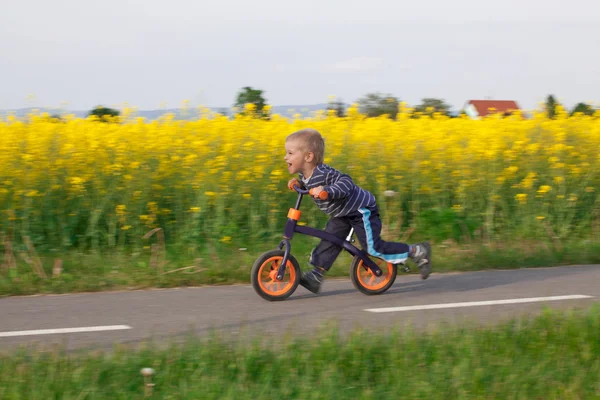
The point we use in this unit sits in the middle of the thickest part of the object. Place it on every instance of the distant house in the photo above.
(481, 108)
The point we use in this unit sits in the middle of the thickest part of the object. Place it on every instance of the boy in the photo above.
(348, 205)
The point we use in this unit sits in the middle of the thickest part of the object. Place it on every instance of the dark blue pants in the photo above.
(367, 227)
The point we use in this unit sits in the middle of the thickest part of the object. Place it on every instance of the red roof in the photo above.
(502, 106)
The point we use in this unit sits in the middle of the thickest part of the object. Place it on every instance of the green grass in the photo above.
(552, 356)
(220, 263)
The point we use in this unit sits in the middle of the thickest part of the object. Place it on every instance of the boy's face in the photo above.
(297, 159)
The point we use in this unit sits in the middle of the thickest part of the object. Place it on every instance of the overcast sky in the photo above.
(152, 53)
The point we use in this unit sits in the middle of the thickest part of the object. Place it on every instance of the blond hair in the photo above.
(311, 141)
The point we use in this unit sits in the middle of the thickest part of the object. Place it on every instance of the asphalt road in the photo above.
(99, 320)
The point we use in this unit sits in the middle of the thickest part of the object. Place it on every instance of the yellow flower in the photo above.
(225, 239)
(527, 183)
(136, 170)
(521, 198)
(544, 189)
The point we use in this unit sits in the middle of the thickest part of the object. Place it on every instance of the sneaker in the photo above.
(422, 257)
(311, 281)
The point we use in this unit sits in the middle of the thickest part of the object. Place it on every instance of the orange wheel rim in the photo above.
(368, 280)
(267, 277)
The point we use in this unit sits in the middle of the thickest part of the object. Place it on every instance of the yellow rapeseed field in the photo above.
(81, 182)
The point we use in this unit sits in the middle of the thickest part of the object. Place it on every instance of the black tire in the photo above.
(259, 283)
(383, 283)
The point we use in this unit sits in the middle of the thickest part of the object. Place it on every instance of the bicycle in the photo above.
(276, 273)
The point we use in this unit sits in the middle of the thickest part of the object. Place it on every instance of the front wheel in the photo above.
(264, 273)
(366, 282)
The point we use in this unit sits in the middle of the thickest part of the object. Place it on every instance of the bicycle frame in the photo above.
(292, 227)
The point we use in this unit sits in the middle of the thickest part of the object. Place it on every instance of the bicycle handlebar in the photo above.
(323, 195)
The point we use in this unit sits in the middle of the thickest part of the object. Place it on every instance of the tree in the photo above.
(377, 104)
(223, 111)
(551, 105)
(583, 108)
(338, 106)
(55, 118)
(248, 95)
(430, 105)
(104, 113)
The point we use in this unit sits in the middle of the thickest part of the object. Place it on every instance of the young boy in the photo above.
(349, 207)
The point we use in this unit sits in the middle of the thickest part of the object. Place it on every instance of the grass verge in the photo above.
(219, 263)
(551, 356)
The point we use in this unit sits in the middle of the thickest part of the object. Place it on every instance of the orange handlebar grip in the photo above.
(322, 196)
(294, 214)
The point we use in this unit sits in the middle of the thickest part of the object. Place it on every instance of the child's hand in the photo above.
(316, 191)
(293, 182)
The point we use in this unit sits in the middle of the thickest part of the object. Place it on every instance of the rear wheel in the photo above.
(366, 282)
(264, 273)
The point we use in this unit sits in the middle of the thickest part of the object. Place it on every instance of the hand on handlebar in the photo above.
(318, 193)
(293, 182)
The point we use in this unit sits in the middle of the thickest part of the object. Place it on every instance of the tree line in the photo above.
(377, 104)
(373, 104)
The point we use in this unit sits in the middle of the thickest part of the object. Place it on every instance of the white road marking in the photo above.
(477, 303)
(65, 330)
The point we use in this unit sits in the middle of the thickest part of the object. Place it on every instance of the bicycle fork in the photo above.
(286, 256)
(290, 228)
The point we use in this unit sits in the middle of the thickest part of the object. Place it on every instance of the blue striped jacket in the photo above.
(345, 196)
